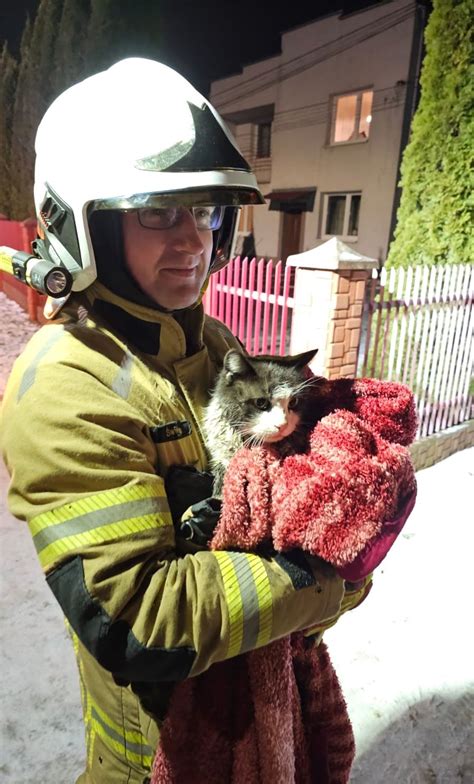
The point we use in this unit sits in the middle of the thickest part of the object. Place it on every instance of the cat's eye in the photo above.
(262, 403)
(293, 403)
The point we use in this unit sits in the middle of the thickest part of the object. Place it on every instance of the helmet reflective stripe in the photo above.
(197, 153)
(137, 135)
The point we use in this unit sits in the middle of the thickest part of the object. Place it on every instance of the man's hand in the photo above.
(199, 522)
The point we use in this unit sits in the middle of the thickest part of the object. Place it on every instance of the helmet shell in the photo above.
(135, 135)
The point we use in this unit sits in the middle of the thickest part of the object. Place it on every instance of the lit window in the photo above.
(264, 138)
(341, 215)
(351, 117)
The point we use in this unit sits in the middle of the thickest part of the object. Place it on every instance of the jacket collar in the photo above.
(168, 337)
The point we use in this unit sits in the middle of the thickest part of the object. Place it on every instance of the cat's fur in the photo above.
(258, 400)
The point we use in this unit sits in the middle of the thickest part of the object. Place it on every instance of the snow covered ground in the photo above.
(404, 658)
(15, 330)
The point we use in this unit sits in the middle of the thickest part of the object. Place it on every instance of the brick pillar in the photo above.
(330, 283)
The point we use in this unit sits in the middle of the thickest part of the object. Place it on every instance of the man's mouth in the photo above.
(181, 272)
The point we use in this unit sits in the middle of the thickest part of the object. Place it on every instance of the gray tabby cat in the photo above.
(257, 400)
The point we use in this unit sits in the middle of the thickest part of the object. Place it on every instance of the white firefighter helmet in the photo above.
(136, 135)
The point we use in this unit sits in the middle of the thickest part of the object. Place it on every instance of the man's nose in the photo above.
(188, 237)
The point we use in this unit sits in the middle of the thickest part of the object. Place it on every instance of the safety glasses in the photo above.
(168, 217)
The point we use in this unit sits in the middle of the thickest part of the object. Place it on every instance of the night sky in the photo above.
(205, 40)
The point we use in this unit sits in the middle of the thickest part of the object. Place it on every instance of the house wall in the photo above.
(370, 49)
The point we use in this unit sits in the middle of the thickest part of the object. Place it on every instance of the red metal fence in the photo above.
(19, 236)
(254, 299)
(419, 330)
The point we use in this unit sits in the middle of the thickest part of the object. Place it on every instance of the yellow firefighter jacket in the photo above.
(98, 407)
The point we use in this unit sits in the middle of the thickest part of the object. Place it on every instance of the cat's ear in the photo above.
(237, 365)
(300, 361)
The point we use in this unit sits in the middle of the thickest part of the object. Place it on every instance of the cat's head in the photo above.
(265, 395)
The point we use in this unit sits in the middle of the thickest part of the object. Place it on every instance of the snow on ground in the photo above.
(404, 657)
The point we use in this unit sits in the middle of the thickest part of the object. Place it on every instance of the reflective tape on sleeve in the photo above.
(110, 515)
(28, 379)
(249, 601)
(131, 746)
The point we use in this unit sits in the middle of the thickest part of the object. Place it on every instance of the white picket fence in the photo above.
(419, 330)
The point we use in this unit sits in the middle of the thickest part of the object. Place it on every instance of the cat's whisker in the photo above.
(308, 383)
(251, 441)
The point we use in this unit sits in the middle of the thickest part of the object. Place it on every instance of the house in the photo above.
(324, 124)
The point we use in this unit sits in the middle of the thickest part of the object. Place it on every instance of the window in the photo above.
(243, 243)
(264, 139)
(341, 215)
(351, 117)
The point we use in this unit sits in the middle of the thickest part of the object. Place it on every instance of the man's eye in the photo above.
(203, 216)
(158, 217)
(262, 403)
(164, 214)
(203, 212)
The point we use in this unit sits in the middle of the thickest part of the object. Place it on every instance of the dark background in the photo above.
(206, 39)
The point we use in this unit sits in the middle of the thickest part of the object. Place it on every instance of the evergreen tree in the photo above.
(34, 94)
(435, 218)
(68, 40)
(8, 76)
(18, 147)
(69, 56)
(118, 30)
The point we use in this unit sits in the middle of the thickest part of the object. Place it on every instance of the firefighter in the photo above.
(137, 183)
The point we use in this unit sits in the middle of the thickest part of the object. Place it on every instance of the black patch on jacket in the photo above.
(297, 567)
(144, 335)
(113, 643)
(185, 486)
(171, 431)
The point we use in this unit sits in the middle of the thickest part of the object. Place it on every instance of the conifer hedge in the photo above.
(435, 220)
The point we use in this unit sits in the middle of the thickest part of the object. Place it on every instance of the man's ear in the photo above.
(237, 365)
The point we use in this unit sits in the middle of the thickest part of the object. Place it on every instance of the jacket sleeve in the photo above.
(83, 478)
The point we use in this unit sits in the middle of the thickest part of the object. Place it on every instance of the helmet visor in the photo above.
(191, 197)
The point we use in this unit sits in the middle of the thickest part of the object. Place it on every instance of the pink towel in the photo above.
(277, 714)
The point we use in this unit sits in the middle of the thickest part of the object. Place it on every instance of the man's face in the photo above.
(169, 265)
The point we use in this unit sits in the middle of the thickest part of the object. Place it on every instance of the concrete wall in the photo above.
(370, 49)
(431, 449)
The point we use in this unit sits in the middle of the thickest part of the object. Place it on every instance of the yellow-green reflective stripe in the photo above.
(95, 502)
(103, 534)
(129, 744)
(113, 514)
(265, 601)
(84, 524)
(249, 600)
(233, 601)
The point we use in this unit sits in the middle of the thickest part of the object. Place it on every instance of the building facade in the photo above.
(324, 124)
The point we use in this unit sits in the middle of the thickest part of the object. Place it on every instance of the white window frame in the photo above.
(355, 139)
(347, 211)
(243, 227)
